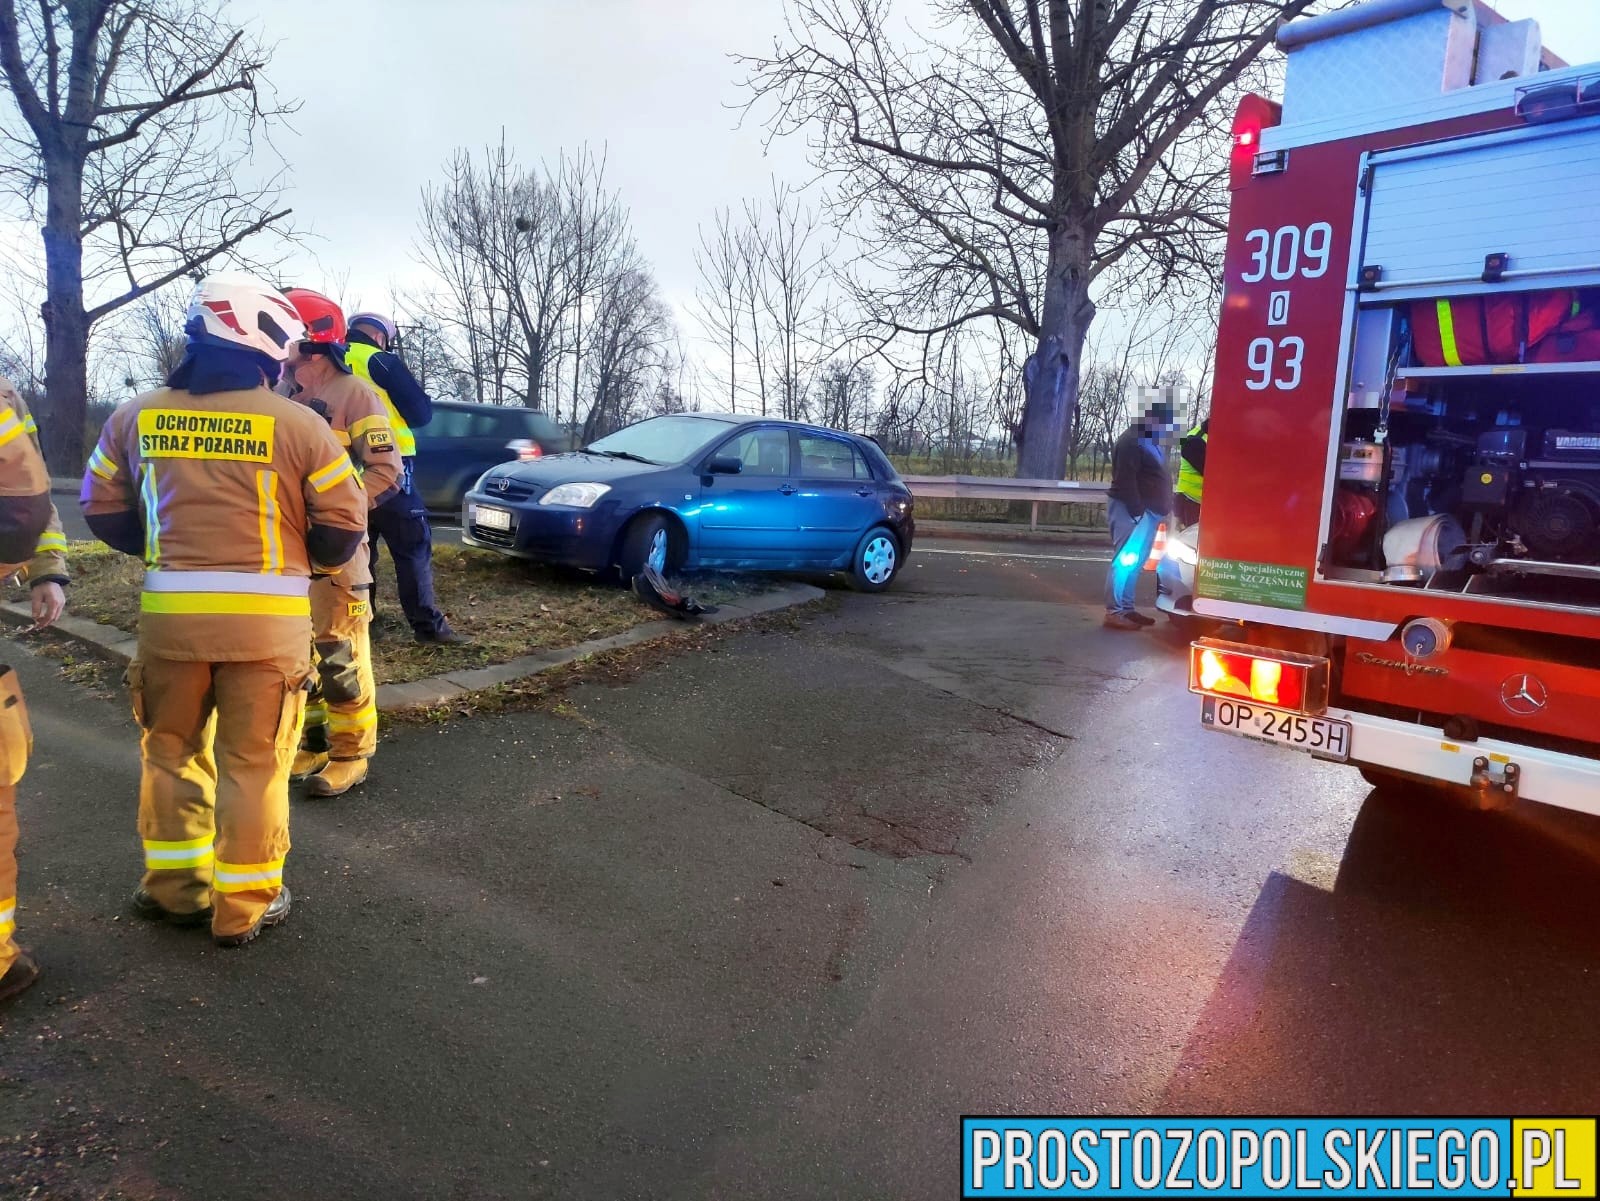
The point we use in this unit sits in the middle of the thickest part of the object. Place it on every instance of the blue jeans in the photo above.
(1131, 540)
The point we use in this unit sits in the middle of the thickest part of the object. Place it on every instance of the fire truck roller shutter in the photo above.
(1434, 212)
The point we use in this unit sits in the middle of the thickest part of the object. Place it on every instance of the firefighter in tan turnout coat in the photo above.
(233, 496)
(28, 525)
(341, 728)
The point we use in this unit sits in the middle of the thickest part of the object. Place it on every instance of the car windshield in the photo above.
(660, 439)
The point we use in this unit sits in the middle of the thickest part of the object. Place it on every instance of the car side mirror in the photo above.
(725, 465)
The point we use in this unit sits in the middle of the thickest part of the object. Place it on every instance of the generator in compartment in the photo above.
(1480, 480)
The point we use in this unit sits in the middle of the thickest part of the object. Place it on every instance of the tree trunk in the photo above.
(1052, 373)
(66, 357)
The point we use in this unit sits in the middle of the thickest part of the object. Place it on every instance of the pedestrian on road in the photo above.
(1140, 496)
(1191, 473)
(233, 496)
(29, 525)
(341, 726)
(401, 521)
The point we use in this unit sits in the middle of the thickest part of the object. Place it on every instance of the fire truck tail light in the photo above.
(1245, 139)
(1282, 679)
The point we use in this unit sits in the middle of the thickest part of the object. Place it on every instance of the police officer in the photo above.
(233, 496)
(28, 523)
(402, 521)
(341, 727)
(1191, 472)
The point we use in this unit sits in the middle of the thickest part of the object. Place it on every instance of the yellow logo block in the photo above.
(1553, 1157)
(188, 434)
(381, 439)
(358, 609)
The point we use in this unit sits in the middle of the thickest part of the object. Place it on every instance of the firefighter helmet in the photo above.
(324, 320)
(242, 312)
(378, 322)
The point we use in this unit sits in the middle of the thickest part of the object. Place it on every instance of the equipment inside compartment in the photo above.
(1468, 477)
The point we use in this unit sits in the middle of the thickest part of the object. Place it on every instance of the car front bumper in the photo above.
(581, 538)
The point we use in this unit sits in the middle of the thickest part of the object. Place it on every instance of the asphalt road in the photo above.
(763, 921)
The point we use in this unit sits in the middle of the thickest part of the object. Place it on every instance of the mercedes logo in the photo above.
(502, 484)
(1524, 695)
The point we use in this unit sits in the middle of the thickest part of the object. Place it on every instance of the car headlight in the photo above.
(1182, 552)
(576, 496)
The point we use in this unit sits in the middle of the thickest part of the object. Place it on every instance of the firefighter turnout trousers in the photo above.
(342, 714)
(219, 740)
(16, 741)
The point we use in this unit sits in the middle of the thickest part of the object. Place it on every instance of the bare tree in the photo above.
(719, 297)
(630, 351)
(1014, 167)
(843, 393)
(134, 117)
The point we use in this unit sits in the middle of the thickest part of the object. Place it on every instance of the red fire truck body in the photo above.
(1401, 520)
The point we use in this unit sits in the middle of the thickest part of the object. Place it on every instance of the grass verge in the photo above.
(505, 606)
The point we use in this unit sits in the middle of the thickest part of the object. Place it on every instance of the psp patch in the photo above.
(358, 608)
(381, 439)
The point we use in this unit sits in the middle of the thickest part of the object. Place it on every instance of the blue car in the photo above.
(702, 490)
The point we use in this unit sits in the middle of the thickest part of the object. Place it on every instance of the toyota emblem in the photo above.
(502, 484)
(1524, 695)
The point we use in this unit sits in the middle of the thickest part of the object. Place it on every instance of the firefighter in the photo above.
(1139, 498)
(233, 496)
(1191, 473)
(402, 521)
(28, 523)
(341, 727)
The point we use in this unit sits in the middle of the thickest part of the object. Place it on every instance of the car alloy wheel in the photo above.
(657, 556)
(878, 559)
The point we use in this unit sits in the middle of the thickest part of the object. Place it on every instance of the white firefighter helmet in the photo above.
(379, 322)
(238, 310)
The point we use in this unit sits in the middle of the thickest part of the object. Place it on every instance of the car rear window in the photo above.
(831, 459)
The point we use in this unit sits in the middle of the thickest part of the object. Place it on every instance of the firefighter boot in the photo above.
(152, 910)
(307, 764)
(275, 915)
(23, 972)
(338, 778)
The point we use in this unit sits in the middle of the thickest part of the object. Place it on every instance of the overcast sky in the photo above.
(648, 81)
(390, 88)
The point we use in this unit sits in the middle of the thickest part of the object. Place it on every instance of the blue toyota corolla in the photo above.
(702, 490)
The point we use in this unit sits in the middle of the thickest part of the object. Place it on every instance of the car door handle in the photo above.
(787, 489)
(863, 491)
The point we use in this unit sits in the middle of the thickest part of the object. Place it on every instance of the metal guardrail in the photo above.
(981, 487)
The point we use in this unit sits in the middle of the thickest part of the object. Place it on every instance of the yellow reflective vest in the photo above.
(1190, 481)
(359, 356)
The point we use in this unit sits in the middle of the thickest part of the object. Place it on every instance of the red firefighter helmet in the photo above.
(324, 320)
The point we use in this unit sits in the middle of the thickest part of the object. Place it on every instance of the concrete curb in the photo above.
(121, 646)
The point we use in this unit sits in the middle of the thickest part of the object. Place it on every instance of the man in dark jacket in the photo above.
(402, 520)
(1140, 497)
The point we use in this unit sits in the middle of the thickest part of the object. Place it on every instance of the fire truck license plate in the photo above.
(492, 519)
(1324, 738)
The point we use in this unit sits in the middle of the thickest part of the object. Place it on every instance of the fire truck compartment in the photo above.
(1479, 482)
(1434, 213)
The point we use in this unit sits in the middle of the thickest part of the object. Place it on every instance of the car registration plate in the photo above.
(493, 519)
(1323, 737)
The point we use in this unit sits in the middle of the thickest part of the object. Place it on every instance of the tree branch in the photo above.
(188, 265)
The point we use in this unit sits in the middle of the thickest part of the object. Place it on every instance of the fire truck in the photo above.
(1400, 539)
